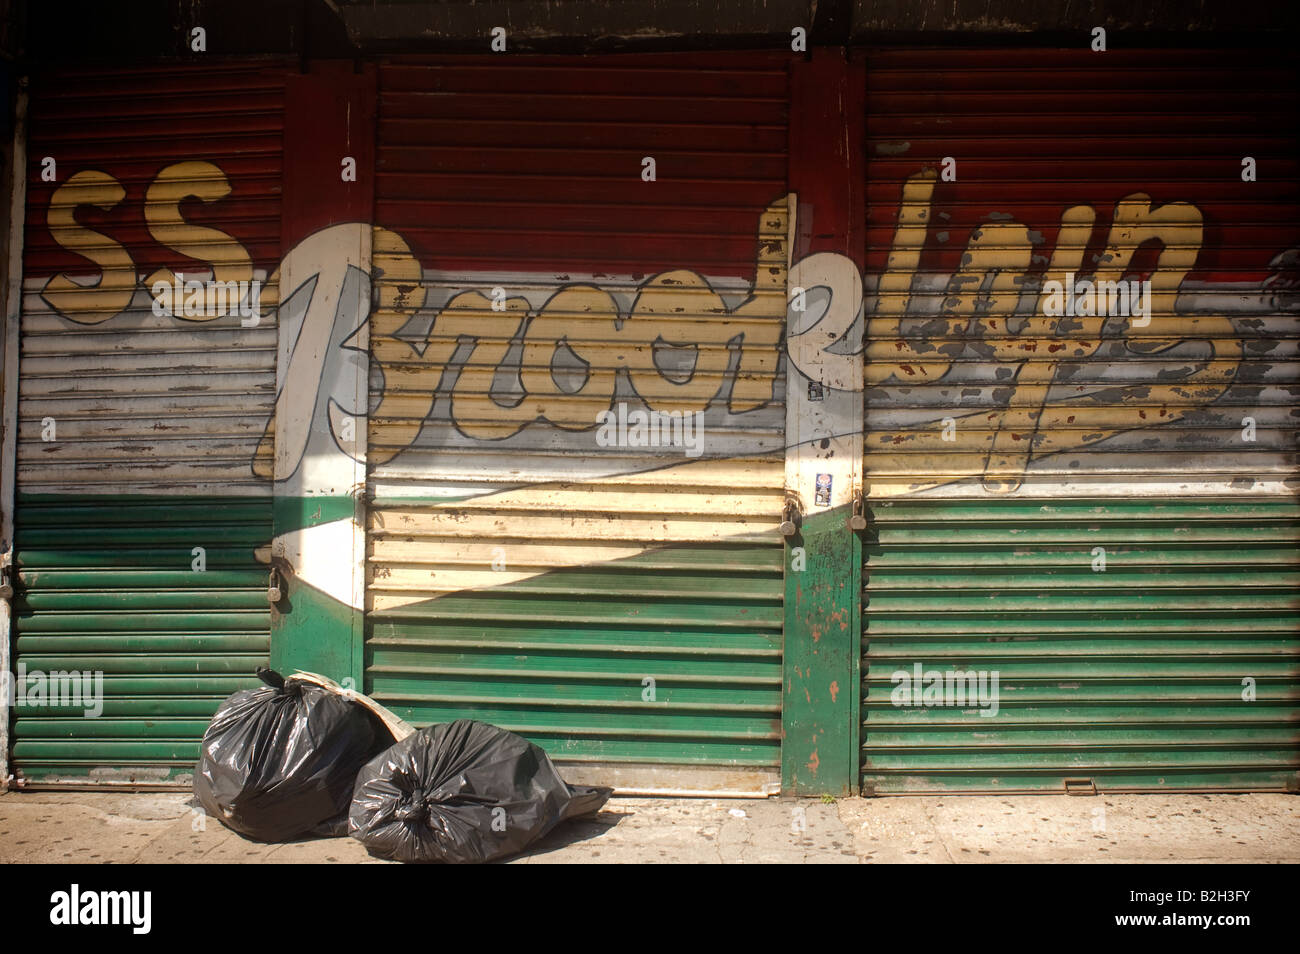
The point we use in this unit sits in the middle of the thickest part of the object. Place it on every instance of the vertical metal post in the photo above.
(823, 434)
(13, 285)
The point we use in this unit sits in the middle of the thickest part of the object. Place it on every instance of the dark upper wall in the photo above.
(98, 31)
(830, 21)
(1200, 18)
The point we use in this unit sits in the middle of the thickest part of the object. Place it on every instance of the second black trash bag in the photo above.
(462, 792)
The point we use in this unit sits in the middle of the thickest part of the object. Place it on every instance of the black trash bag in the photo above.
(461, 792)
(280, 762)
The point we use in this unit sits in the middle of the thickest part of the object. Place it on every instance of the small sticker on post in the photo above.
(815, 391)
(822, 498)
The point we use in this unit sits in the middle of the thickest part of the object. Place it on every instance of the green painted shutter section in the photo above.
(564, 658)
(1133, 679)
(108, 586)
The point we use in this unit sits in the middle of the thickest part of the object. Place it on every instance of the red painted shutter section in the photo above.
(534, 164)
(131, 123)
(1036, 131)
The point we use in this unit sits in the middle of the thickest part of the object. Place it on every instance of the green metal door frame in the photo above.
(319, 474)
(824, 427)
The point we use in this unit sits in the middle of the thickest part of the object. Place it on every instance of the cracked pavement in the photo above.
(145, 828)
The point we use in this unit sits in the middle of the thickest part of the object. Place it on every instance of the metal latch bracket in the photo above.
(1080, 786)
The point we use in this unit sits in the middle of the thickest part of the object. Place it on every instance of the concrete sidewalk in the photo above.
(166, 828)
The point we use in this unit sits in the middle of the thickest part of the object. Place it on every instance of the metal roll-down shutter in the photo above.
(620, 605)
(1099, 512)
(138, 503)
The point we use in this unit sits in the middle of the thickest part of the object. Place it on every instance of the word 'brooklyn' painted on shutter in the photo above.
(509, 351)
